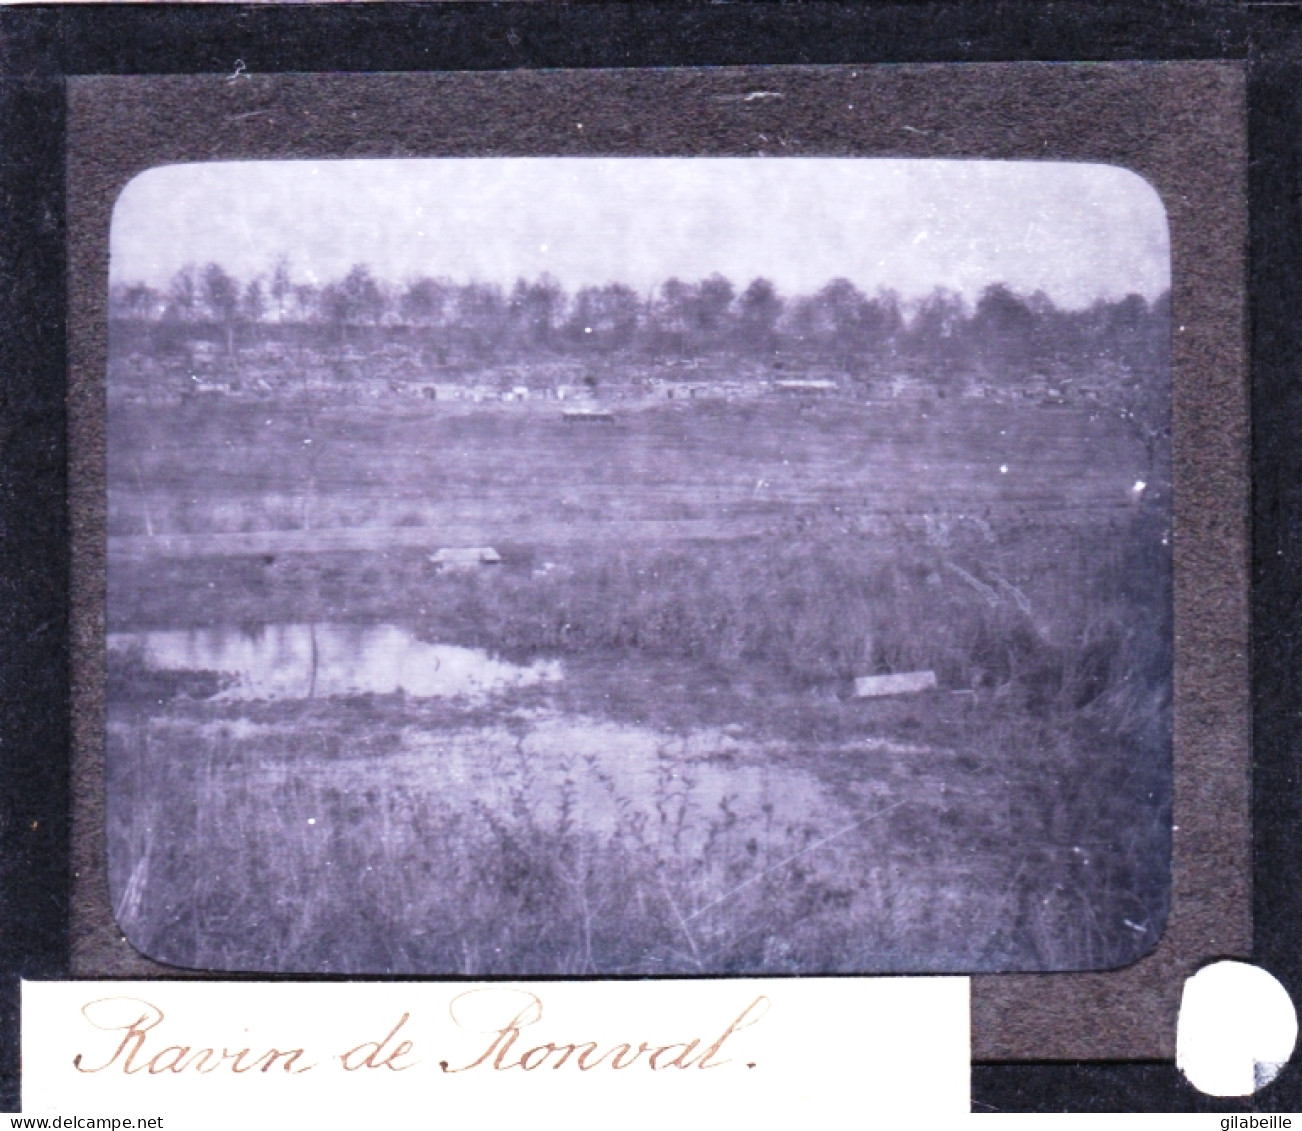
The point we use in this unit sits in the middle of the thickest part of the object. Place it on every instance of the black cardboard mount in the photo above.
(40, 46)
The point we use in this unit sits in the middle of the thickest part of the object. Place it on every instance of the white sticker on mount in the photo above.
(1237, 1029)
(702, 1053)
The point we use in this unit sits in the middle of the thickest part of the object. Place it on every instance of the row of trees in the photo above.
(837, 325)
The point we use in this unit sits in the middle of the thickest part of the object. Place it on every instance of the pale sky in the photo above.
(1078, 232)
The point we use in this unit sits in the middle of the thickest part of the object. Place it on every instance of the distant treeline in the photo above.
(1003, 332)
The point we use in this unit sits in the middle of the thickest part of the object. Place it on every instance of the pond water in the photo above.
(299, 661)
(673, 788)
(669, 794)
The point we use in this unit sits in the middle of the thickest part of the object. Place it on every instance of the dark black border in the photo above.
(41, 45)
(181, 38)
(34, 558)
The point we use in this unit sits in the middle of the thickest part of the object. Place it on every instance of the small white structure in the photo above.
(807, 386)
(464, 558)
(587, 416)
(898, 683)
(203, 355)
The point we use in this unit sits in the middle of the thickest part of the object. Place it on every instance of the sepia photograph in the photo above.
(621, 567)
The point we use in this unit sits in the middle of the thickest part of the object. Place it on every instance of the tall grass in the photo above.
(1022, 824)
(1062, 620)
(247, 844)
(1066, 620)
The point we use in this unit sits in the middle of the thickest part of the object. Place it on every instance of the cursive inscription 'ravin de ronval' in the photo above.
(500, 1014)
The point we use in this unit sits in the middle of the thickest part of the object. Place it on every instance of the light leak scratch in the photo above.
(752, 96)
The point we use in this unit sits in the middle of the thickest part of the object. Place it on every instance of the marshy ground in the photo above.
(631, 747)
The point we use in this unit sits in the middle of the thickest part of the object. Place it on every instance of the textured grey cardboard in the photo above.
(1180, 125)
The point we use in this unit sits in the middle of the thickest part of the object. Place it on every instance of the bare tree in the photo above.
(183, 296)
(604, 318)
(221, 295)
(424, 302)
(136, 302)
(710, 310)
(307, 299)
(282, 286)
(363, 295)
(356, 299)
(481, 314)
(1003, 332)
(537, 308)
(758, 311)
(254, 302)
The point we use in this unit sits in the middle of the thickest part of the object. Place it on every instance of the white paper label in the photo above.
(637, 1054)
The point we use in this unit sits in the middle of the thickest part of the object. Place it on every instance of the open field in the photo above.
(698, 791)
(519, 472)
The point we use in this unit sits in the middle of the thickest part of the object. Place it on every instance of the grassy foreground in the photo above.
(1011, 820)
(700, 793)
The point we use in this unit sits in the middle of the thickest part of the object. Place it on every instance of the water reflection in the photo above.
(668, 794)
(675, 792)
(298, 661)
